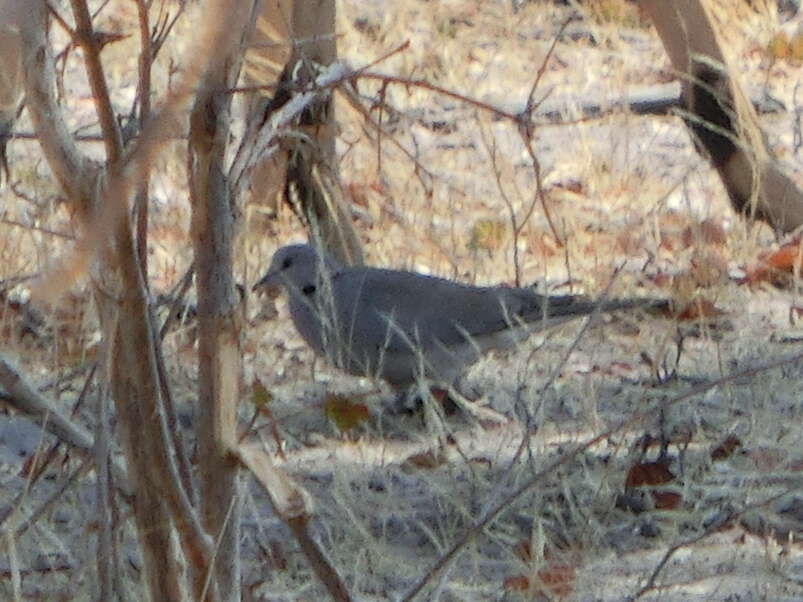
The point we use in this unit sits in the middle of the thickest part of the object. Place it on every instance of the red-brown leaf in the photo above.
(726, 448)
(666, 500)
(649, 473)
(699, 309)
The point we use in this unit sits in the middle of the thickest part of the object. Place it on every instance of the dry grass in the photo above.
(436, 191)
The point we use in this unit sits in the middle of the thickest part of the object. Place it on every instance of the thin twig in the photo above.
(713, 528)
(494, 513)
(11, 222)
(56, 495)
(144, 64)
(526, 129)
(178, 298)
(85, 36)
(290, 502)
(490, 148)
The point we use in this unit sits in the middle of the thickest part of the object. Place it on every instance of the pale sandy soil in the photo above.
(624, 192)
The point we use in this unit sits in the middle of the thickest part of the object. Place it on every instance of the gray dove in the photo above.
(400, 326)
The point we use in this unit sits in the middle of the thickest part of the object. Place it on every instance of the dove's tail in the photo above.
(570, 306)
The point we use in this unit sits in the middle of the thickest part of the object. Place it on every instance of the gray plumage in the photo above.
(400, 325)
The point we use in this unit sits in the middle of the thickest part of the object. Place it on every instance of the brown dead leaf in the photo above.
(649, 473)
(558, 579)
(571, 185)
(523, 551)
(427, 460)
(708, 267)
(666, 500)
(725, 449)
(771, 266)
(260, 396)
(517, 583)
(671, 231)
(786, 258)
(709, 232)
(357, 193)
(699, 309)
(779, 47)
(662, 280)
(345, 413)
(712, 232)
(487, 234)
(797, 47)
(782, 47)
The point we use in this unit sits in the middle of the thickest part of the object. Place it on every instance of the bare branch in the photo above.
(74, 172)
(219, 356)
(637, 417)
(85, 37)
(23, 396)
(144, 98)
(292, 503)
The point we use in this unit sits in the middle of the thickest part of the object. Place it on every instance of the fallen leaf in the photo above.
(649, 473)
(558, 579)
(779, 47)
(770, 266)
(345, 413)
(725, 449)
(662, 279)
(428, 459)
(522, 550)
(487, 235)
(712, 232)
(709, 232)
(786, 258)
(571, 185)
(260, 396)
(708, 267)
(699, 309)
(797, 47)
(666, 500)
(518, 583)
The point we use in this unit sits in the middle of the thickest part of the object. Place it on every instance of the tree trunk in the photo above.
(311, 184)
(11, 86)
(219, 369)
(723, 122)
(100, 203)
(268, 53)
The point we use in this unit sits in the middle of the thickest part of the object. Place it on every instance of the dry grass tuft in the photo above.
(436, 185)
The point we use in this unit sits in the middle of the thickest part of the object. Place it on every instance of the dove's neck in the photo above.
(312, 308)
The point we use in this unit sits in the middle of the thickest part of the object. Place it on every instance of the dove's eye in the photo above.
(287, 263)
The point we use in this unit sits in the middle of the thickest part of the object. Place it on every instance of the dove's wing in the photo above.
(395, 309)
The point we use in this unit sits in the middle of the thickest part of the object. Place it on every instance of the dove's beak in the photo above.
(270, 283)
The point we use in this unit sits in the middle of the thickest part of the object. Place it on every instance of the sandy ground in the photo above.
(437, 191)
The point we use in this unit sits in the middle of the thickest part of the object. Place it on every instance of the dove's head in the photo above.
(297, 268)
